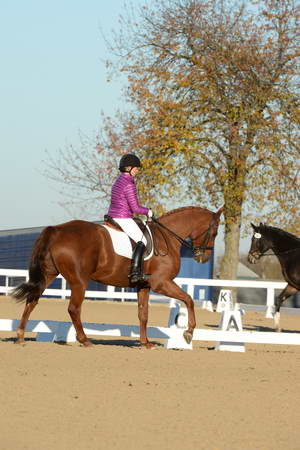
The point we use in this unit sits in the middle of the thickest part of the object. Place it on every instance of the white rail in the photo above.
(54, 331)
(190, 284)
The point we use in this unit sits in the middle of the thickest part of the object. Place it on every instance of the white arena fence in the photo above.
(189, 284)
(233, 340)
(53, 331)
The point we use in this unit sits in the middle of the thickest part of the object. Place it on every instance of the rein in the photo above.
(184, 241)
(279, 253)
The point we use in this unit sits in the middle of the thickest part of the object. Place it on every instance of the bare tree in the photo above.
(84, 174)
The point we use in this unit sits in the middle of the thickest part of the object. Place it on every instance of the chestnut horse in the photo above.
(286, 247)
(82, 251)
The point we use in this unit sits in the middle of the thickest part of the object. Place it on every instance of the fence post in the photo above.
(63, 287)
(270, 310)
(110, 292)
(6, 285)
(190, 290)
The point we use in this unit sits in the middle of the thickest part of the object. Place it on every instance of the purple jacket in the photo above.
(124, 202)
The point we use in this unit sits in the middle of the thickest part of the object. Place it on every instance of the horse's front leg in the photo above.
(143, 306)
(171, 289)
(287, 292)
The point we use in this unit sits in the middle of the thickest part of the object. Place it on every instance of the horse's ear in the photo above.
(261, 224)
(253, 226)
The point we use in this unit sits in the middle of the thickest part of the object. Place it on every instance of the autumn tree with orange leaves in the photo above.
(213, 89)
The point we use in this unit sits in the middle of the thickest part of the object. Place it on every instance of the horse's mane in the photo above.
(280, 232)
(173, 211)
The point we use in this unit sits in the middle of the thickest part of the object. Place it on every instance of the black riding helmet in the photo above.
(129, 160)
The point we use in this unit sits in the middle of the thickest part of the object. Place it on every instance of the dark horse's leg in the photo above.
(143, 303)
(29, 307)
(171, 289)
(287, 292)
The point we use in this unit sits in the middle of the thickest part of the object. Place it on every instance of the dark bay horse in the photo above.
(82, 251)
(286, 247)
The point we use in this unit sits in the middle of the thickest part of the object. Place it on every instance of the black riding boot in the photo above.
(136, 270)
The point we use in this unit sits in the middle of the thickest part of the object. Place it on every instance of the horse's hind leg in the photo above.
(74, 309)
(29, 307)
(286, 293)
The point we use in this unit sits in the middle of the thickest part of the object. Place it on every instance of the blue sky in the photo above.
(53, 84)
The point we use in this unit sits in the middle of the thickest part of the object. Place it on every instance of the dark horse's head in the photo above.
(259, 244)
(266, 237)
(203, 243)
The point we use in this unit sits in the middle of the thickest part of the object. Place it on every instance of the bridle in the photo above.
(198, 250)
(260, 255)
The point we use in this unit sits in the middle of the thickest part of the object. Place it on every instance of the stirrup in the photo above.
(137, 277)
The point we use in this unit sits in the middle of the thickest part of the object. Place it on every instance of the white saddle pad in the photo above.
(122, 244)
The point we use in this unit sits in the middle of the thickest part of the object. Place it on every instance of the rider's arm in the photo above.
(132, 199)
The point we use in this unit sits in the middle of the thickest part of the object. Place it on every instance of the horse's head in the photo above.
(259, 244)
(203, 243)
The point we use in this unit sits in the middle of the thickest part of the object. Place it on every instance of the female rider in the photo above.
(124, 203)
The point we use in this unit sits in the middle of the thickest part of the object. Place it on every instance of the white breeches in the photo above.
(131, 229)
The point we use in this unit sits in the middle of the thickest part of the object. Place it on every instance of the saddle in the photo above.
(109, 221)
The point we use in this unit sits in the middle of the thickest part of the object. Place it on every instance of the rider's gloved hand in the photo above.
(150, 214)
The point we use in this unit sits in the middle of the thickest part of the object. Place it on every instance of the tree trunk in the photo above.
(229, 265)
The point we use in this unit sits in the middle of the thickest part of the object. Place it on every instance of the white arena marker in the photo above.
(225, 301)
(231, 321)
(178, 321)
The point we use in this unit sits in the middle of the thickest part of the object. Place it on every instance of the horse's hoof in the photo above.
(148, 345)
(188, 337)
(85, 343)
(20, 342)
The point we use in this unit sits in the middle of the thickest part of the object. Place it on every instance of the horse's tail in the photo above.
(34, 287)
